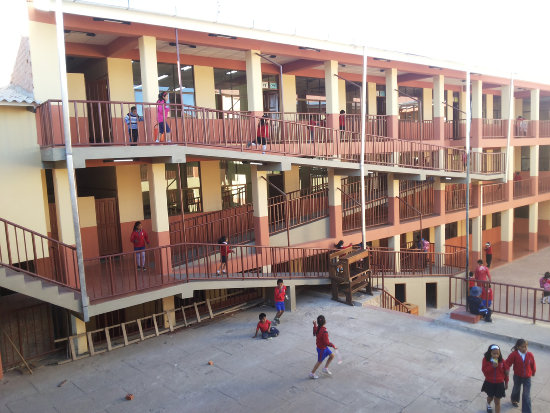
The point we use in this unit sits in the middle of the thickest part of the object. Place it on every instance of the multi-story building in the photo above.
(282, 206)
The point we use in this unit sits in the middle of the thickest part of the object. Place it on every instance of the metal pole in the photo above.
(509, 134)
(69, 155)
(181, 202)
(181, 94)
(362, 158)
(468, 120)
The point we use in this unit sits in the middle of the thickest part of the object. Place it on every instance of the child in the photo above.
(487, 296)
(488, 254)
(545, 284)
(224, 252)
(264, 325)
(342, 123)
(163, 112)
(262, 133)
(323, 344)
(496, 377)
(524, 367)
(482, 274)
(476, 307)
(280, 295)
(139, 238)
(132, 118)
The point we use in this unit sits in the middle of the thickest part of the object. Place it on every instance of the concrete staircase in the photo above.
(40, 289)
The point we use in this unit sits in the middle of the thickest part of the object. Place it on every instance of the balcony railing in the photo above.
(455, 197)
(495, 128)
(235, 195)
(417, 131)
(544, 184)
(544, 128)
(523, 128)
(376, 125)
(100, 123)
(487, 162)
(493, 193)
(455, 129)
(376, 203)
(417, 198)
(523, 188)
(416, 263)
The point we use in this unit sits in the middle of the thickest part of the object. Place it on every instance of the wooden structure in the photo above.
(349, 272)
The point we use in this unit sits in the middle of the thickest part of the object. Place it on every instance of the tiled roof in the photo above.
(16, 94)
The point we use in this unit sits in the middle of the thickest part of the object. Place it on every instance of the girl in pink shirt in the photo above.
(163, 113)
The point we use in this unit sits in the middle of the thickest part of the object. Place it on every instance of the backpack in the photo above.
(426, 245)
(543, 281)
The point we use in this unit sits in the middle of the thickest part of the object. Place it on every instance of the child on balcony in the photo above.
(163, 112)
(262, 133)
(496, 377)
(323, 344)
(132, 118)
(545, 284)
(224, 252)
(524, 368)
(280, 296)
(139, 238)
(264, 325)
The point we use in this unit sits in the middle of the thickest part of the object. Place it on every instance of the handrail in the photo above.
(37, 255)
(388, 301)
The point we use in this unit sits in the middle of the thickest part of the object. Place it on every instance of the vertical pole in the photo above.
(69, 155)
(181, 202)
(468, 121)
(509, 134)
(362, 155)
(181, 96)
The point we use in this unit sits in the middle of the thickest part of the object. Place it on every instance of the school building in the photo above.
(282, 207)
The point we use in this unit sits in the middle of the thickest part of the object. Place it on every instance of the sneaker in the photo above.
(313, 376)
(156, 140)
(263, 153)
(223, 271)
(489, 409)
(218, 272)
(515, 404)
(249, 144)
(144, 268)
(327, 371)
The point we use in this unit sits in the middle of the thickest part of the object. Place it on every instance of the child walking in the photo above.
(524, 368)
(139, 237)
(163, 112)
(132, 118)
(264, 325)
(545, 284)
(496, 377)
(224, 252)
(323, 344)
(280, 295)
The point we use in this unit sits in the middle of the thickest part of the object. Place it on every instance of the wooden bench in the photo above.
(349, 271)
(461, 314)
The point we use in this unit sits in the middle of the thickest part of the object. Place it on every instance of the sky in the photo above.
(503, 37)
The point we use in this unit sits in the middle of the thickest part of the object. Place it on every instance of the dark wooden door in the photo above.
(108, 226)
(99, 116)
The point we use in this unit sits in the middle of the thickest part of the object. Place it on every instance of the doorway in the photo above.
(271, 101)
(99, 120)
(400, 292)
(431, 295)
(108, 226)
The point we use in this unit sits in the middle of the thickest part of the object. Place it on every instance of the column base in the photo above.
(533, 242)
(335, 218)
(261, 231)
(507, 251)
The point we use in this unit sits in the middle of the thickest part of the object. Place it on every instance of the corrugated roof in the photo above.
(16, 94)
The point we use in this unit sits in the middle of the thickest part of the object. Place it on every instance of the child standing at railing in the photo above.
(224, 252)
(262, 133)
(545, 284)
(323, 344)
(139, 238)
(163, 112)
(132, 118)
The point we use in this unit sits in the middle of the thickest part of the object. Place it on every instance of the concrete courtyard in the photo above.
(392, 362)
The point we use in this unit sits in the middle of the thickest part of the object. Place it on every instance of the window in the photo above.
(544, 158)
(353, 99)
(168, 81)
(311, 95)
(525, 155)
(496, 219)
(231, 92)
(522, 212)
(451, 230)
(190, 179)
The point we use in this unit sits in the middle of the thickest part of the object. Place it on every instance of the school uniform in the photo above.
(495, 378)
(322, 342)
(524, 368)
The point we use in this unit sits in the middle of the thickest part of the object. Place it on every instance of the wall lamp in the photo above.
(89, 34)
(381, 59)
(223, 36)
(435, 67)
(191, 46)
(309, 48)
(101, 19)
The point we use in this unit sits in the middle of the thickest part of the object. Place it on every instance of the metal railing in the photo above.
(376, 125)
(487, 162)
(523, 188)
(417, 263)
(39, 256)
(508, 299)
(414, 130)
(495, 128)
(100, 123)
(544, 128)
(376, 203)
(419, 194)
(235, 195)
(455, 197)
(493, 193)
(523, 128)
(455, 129)
(544, 184)
(391, 303)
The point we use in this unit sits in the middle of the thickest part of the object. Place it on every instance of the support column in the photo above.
(394, 243)
(205, 91)
(78, 327)
(160, 234)
(331, 88)
(489, 106)
(534, 168)
(128, 183)
(292, 179)
(439, 108)
(392, 106)
(393, 201)
(544, 220)
(291, 292)
(168, 304)
(510, 175)
(477, 113)
(535, 109)
(449, 106)
(439, 196)
(149, 78)
(476, 239)
(371, 99)
(533, 226)
(211, 183)
(259, 201)
(462, 104)
(63, 209)
(507, 235)
(427, 105)
(439, 241)
(289, 92)
(335, 205)
(518, 107)
(254, 82)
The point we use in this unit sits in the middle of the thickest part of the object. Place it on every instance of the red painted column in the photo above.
(393, 201)
(160, 234)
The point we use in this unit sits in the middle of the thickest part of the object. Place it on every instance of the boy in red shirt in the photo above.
(482, 274)
(280, 296)
(264, 325)
(224, 252)
(323, 344)
(488, 254)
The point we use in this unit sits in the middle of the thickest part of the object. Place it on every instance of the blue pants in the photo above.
(526, 396)
(273, 332)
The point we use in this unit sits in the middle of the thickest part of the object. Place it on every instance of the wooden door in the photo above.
(99, 116)
(108, 226)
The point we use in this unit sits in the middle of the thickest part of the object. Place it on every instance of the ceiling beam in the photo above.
(85, 50)
(411, 77)
(121, 45)
(300, 64)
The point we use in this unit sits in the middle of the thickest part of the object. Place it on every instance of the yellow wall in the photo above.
(292, 179)
(128, 180)
(22, 199)
(415, 290)
(544, 210)
(342, 94)
(121, 80)
(86, 211)
(211, 186)
(204, 86)
(76, 88)
(289, 93)
(45, 68)
(45, 198)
